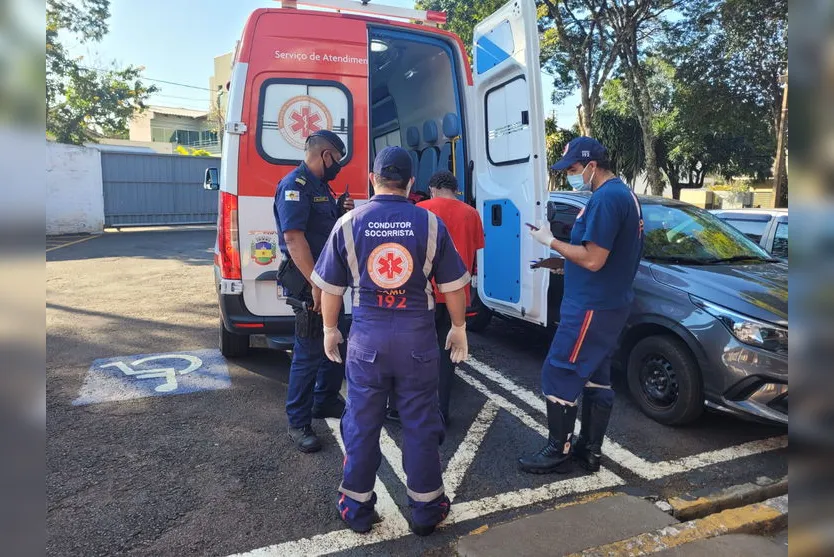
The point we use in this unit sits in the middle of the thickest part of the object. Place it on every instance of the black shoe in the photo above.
(393, 416)
(422, 530)
(588, 447)
(556, 455)
(305, 439)
(333, 409)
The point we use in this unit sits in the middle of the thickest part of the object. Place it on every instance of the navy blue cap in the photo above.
(331, 138)
(583, 150)
(393, 163)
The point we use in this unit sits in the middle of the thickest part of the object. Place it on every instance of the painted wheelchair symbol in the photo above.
(168, 373)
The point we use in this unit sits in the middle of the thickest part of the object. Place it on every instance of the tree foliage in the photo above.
(84, 103)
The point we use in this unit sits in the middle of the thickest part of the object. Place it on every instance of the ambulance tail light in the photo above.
(228, 242)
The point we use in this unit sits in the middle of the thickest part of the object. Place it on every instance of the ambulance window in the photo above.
(291, 109)
(494, 47)
(382, 141)
(509, 140)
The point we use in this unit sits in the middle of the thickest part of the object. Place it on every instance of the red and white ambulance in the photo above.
(379, 75)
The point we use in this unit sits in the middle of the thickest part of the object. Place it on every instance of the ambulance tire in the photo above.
(665, 381)
(233, 345)
(478, 322)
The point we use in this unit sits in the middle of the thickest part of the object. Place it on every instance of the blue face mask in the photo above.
(577, 182)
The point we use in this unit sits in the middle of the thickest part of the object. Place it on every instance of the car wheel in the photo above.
(478, 315)
(233, 345)
(664, 379)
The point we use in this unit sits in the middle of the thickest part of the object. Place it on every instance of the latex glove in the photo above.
(543, 235)
(456, 341)
(332, 339)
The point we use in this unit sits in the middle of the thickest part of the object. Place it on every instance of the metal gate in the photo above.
(142, 189)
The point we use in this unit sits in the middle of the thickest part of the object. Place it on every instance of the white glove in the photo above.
(543, 235)
(456, 340)
(332, 339)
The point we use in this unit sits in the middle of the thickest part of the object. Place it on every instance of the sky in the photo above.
(176, 41)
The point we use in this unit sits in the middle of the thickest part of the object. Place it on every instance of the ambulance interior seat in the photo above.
(412, 139)
(451, 129)
(428, 157)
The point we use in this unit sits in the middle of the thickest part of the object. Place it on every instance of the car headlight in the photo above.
(746, 329)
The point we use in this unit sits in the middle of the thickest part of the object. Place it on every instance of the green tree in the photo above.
(193, 152)
(576, 50)
(83, 103)
(556, 139)
(637, 25)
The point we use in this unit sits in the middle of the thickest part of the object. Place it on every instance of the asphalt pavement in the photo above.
(146, 455)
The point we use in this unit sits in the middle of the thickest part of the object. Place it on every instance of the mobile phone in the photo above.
(531, 226)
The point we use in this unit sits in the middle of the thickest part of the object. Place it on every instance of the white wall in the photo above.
(74, 194)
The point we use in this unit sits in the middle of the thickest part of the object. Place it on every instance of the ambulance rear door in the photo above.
(510, 175)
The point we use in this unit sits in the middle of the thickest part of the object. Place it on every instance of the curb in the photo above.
(751, 519)
(689, 507)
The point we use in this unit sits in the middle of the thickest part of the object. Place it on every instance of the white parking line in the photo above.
(523, 497)
(645, 469)
(392, 526)
(468, 449)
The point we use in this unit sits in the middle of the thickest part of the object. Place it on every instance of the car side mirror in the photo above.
(212, 181)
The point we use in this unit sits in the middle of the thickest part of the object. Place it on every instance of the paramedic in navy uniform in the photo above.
(600, 264)
(305, 212)
(387, 251)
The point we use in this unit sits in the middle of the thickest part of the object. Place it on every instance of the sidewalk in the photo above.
(623, 525)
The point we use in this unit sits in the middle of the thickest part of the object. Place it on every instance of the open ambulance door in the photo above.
(510, 175)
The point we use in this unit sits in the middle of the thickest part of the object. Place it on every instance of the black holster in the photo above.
(308, 324)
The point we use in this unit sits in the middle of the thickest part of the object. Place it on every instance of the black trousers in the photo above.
(442, 324)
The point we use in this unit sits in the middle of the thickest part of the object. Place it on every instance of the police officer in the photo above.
(388, 251)
(305, 212)
(600, 264)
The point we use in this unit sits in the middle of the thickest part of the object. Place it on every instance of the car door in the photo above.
(562, 216)
(510, 175)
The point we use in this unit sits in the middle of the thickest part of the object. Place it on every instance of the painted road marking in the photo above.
(465, 454)
(394, 525)
(70, 243)
(645, 469)
(146, 375)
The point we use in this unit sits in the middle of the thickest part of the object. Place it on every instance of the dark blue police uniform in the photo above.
(303, 202)
(387, 251)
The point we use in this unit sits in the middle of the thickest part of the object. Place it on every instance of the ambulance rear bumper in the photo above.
(238, 319)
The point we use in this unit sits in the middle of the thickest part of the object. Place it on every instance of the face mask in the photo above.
(577, 181)
(330, 172)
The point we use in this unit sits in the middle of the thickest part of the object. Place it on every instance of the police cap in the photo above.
(331, 138)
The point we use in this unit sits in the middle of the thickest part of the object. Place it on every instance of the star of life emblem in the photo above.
(300, 116)
(390, 265)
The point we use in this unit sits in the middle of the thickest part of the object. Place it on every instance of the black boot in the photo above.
(555, 456)
(305, 438)
(588, 447)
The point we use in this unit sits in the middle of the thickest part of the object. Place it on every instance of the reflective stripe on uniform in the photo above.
(592, 385)
(346, 222)
(455, 285)
(431, 249)
(425, 497)
(326, 286)
(589, 315)
(356, 496)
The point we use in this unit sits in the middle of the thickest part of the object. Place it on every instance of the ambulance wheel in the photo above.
(664, 379)
(233, 345)
(478, 315)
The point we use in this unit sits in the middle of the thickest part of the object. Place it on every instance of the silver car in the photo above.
(709, 324)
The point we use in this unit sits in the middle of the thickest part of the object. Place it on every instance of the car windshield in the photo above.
(688, 235)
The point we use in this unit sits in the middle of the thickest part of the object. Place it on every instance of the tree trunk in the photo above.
(586, 113)
(643, 110)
